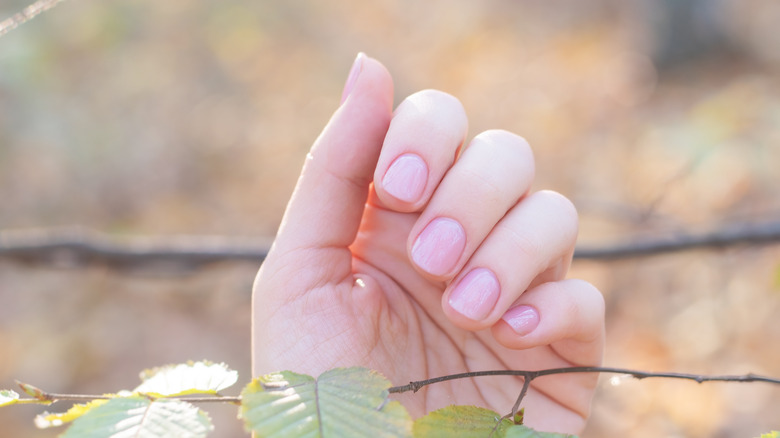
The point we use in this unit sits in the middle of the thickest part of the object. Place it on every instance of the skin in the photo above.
(342, 285)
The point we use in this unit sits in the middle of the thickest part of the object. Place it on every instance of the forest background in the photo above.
(193, 117)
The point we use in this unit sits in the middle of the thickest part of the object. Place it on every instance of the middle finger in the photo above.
(490, 176)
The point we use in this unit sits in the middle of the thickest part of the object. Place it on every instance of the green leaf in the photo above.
(189, 378)
(519, 431)
(460, 422)
(47, 419)
(141, 417)
(343, 402)
(473, 422)
(8, 397)
(773, 434)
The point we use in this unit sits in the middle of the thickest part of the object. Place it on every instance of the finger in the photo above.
(568, 315)
(533, 242)
(568, 318)
(327, 204)
(425, 133)
(493, 172)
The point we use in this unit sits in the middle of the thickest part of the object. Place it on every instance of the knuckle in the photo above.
(503, 154)
(562, 208)
(430, 100)
(432, 115)
(593, 311)
(505, 140)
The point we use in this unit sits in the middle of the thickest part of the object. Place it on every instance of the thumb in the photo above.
(325, 210)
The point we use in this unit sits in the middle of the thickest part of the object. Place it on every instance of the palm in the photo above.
(391, 321)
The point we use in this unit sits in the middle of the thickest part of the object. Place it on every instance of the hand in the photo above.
(444, 264)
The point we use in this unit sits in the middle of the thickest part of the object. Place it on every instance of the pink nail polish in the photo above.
(476, 294)
(522, 319)
(439, 246)
(405, 179)
(354, 73)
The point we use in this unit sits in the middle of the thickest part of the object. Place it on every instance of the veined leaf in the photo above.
(47, 419)
(460, 422)
(141, 417)
(8, 397)
(189, 378)
(343, 402)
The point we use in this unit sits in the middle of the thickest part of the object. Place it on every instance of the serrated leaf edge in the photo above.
(150, 373)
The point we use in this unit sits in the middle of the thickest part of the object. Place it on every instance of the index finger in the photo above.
(423, 139)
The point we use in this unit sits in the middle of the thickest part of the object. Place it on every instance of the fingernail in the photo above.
(405, 179)
(354, 72)
(522, 319)
(476, 294)
(439, 246)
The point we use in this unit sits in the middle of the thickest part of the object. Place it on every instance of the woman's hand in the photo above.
(405, 251)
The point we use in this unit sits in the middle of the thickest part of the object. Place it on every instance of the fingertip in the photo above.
(368, 80)
(570, 311)
(426, 131)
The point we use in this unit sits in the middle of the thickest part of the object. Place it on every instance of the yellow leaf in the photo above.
(46, 419)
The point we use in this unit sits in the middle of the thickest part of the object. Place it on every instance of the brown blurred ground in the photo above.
(192, 117)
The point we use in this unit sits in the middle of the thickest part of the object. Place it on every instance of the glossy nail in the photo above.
(405, 179)
(354, 73)
(522, 319)
(439, 246)
(476, 294)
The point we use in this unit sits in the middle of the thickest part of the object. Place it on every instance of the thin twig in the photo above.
(54, 397)
(76, 247)
(41, 396)
(528, 376)
(26, 15)
(415, 386)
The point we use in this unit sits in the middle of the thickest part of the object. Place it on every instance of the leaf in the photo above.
(343, 402)
(47, 419)
(772, 434)
(8, 397)
(473, 422)
(460, 422)
(190, 378)
(519, 431)
(141, 417)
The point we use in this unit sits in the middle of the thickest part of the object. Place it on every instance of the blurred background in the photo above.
(193, 117)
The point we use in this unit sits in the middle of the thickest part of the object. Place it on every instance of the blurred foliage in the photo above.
(194, 117)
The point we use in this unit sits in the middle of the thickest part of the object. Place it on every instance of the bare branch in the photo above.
(41, 396)
(27, 14)
(741, 234)
(74, 247)
(528, 376)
